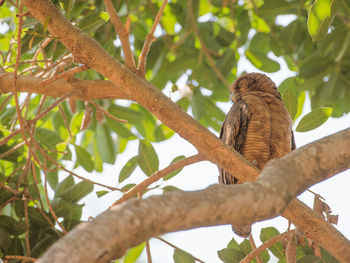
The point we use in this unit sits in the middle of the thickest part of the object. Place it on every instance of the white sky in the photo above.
(205, 242)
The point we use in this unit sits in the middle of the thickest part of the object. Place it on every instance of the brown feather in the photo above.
(258, 126)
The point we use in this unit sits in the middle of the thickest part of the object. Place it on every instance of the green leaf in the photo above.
(290, 101)
(101, 193)
(172, 174)
(245, 246)
(75, 122)
(230, 255)
(77, 191)
(147, 158)
(301, 100)
(128, 168)
(47, 137)
(134, 253)
(276, 249)
(328, 257)
(321, 15)
(84, 158)
(11, 225)
(314, 119)
(68, 5)
(120, 129)
(36, 217)
(91, 22)
(181, 256)
(261, 61)
(233, 244)
(63, 186)
(169, 188)
(310, 259)
(5, 239)
(106, 145)
(61, 207)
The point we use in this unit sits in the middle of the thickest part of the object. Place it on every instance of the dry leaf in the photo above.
(291, 251)
(72, 104)
(99, 114)
(333, 219)
(318, 206)
(300, 236)
(86, 118)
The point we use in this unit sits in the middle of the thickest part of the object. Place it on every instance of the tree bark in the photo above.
(110, 234)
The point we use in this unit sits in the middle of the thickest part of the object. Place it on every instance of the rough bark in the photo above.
(110, 234)
(86, 89)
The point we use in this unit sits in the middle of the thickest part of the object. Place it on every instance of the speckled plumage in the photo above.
(258, 126)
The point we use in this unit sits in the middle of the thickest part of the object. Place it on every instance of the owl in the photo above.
(258, 126)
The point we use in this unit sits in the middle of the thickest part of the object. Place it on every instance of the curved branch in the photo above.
(256, 251)
(110, 234)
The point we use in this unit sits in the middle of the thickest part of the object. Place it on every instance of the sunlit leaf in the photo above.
(321, 15)
(290, 101)
(84, 158)
(276, 249)
(230, 255)
(181, 256)
(128, 168)
(134, 253)
(314, 119)
(147, 158)
(172, 174)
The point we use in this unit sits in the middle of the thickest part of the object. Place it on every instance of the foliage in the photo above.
(199, 41)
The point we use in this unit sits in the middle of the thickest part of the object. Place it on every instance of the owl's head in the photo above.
(251, 82)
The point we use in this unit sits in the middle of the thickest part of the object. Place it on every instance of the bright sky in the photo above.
(205, 242)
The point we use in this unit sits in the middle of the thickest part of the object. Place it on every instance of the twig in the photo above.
(2, 185)
(72, 173)
(38, 117)
(149, 39)
(25, 204)
(107, 113)
(252, 244)
(18, 56)
(156, 176)
(20, 258)
(66, 74)
(264, 246)
(13, 149)
(148, 252)
(48, 200)
(122, 33)
(176, 247)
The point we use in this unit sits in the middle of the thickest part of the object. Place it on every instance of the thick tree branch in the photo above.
(110, 234)
(85, 89)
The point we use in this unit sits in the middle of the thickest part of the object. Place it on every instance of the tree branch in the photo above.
(122, 33)
(85, 89)
(156, 176)
(110, 234)
(149, 39)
